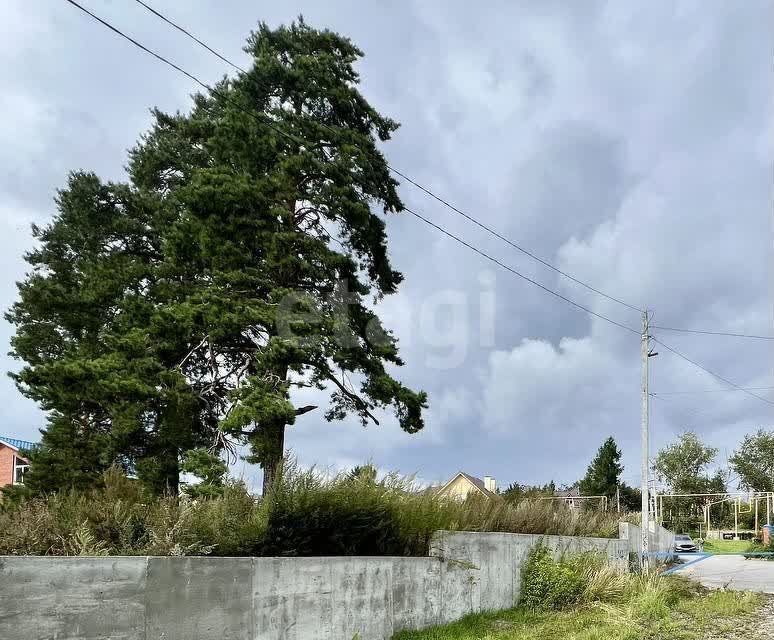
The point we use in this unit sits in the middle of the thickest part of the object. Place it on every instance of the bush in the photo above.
(587, 579)
(549, 584)
(108, 519)
(757, 547)
(306, 514)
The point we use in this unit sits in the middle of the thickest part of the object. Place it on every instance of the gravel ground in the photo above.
(757, 627)
(764, 624)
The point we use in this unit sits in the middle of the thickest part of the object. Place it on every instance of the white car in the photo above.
(684, 544)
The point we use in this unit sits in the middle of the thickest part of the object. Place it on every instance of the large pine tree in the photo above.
(180, 310)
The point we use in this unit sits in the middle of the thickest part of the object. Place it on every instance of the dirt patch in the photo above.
(759, 626)
(764, 622)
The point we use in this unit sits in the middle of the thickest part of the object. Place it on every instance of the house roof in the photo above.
(571, 493)
(477, 482)
(16, 444)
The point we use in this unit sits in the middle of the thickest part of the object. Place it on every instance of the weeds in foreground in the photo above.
(306, 514)
(587, 600)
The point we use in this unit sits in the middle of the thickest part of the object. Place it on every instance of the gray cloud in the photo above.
(628, 143)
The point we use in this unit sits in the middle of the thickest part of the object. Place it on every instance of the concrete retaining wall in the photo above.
(661, 542)
(500, 556)
(201, 598)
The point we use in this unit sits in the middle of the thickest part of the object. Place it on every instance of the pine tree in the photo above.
(604, 473)
(180, 310)
(94, 358)
(71, 457)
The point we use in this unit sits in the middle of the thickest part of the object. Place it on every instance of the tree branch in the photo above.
(359, 402)
(302, 410)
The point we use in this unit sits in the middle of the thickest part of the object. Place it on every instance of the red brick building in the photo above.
(12, 464)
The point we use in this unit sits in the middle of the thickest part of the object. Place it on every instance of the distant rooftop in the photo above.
(569, 493)
(19, 444)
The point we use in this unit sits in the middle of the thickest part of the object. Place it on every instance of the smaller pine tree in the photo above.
(70, 456)
(603, 476)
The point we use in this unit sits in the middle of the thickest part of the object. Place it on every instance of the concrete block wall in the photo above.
(207, 598)
(661, 542)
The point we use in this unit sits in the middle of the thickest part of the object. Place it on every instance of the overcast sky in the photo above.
(630, 144)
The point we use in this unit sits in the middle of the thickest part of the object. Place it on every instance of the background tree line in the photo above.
(683, 467)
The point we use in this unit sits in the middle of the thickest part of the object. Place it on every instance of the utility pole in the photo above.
(618, 497)
(645, 443)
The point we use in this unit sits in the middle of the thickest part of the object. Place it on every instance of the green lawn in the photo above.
(727, 546)
(649, 616)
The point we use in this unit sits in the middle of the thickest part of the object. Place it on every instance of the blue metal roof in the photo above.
(19, 444)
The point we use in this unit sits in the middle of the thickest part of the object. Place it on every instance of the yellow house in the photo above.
(462, 485)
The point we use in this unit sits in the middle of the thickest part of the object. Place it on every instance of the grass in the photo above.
(308, 514)
(578, 597)
(739, 547)
(664, 609)
(726, 546)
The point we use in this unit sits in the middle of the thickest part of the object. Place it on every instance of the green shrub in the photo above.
(549, 584)
(758, 547)
(308, 516)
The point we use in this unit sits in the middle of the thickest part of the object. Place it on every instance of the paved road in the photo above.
(731, 572)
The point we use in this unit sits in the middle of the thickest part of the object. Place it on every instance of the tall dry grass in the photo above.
(306, 514)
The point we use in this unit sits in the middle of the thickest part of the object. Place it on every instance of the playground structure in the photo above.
(744, 503)
(573, 501)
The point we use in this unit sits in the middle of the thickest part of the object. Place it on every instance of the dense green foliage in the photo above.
(304, 514)
(516, 492)
(209, 469)
(683, 466)
(603, 476)
(179, 310)
(551, 584)
(631, 498)
(756, 548)
(753, 462)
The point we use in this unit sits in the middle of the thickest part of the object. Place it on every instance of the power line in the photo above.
(271, 125)
(250, 112)
(296, 139)
(712, 373)
(517, 273)
(511, 243)
(674, 393)
(140, 45)
(685, 413)
(714, 333)
(190, 35)
(452, 207)
(418, 185)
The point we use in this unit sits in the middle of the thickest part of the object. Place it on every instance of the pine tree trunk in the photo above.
(275, 456)
(173, 477)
